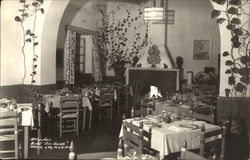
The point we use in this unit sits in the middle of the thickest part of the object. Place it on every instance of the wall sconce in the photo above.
(154, 14)
(158, 14)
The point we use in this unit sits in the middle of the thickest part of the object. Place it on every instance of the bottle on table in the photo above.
(132, 112)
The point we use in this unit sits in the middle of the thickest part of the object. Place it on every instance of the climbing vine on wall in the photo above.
(29, 11)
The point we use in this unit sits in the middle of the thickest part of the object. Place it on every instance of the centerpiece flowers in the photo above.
(119, 41)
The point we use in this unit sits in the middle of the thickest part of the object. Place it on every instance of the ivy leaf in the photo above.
(33, 81)
(34, 72)
(42, 10)
(229, 63)
(245, 59)
(34, 59)
(232, 10)
(239, 87)
(236, 44)
(228, 71)
(245, 80)
(28, 32)
(236, 21)
(35, 4)
(215, 13)
(225, 54)
(230, 27)
(21, 10)
(41, 1)
(244, 71)
(231, 80)
(28, 40)
(24, 14)
(235, 70)
(22, 1)
(35, 43)
(18, 19)
(219, 1)
(235, 2)
(238, 31)
(235, 39)
(35, 66)
(227, 91)
(32, 34)
(220, 20)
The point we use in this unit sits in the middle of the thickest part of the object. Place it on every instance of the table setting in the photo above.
(25, 117)
(167, 136)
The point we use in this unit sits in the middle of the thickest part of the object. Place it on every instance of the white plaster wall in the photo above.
(192, 20)
(226, 46)
(49, 41)
(11, 65)
(12, 60)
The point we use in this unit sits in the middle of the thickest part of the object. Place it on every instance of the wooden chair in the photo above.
(187, 155)
(135, 139)
(210, 118)
(106, 101)
(213, 140)
(8, 132)
(69, 114)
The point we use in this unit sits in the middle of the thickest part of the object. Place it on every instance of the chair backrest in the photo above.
(213, 139)
(8, 127)
(205, 117)
(187, 155)
(135, 137)
(106, 95)
(69, 104)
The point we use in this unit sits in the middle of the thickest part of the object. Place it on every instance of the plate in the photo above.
(189, 126)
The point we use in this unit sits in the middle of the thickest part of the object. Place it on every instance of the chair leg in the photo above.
(90, 118)
(60, 128)
(100, 114)
(77, 126)
(84, 118)
(111, 112)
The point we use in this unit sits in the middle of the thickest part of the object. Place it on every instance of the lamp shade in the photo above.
(154, 14)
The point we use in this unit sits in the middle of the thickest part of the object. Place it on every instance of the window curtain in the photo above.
(98, 68)
(69, 53)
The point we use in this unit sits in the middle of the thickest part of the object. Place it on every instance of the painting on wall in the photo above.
(202, 49)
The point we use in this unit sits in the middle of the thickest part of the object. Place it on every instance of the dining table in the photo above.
(26, 120)
(167, 138)
(53, 100)
(172, 107)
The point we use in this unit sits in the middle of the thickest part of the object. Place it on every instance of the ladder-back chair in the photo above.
(135, 139)
(69, 114)
(8, 132)
(106, 101)
(213, 140)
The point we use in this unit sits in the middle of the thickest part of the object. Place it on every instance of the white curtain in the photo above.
(97, 72)
(69, 53)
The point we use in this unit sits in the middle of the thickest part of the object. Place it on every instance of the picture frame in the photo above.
(202, 49)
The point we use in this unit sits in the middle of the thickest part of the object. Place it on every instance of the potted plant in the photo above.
(237, 57)
(114, 42)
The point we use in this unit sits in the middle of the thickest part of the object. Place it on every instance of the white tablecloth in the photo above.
(55, 100)
(168, 139)
(25, 114)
